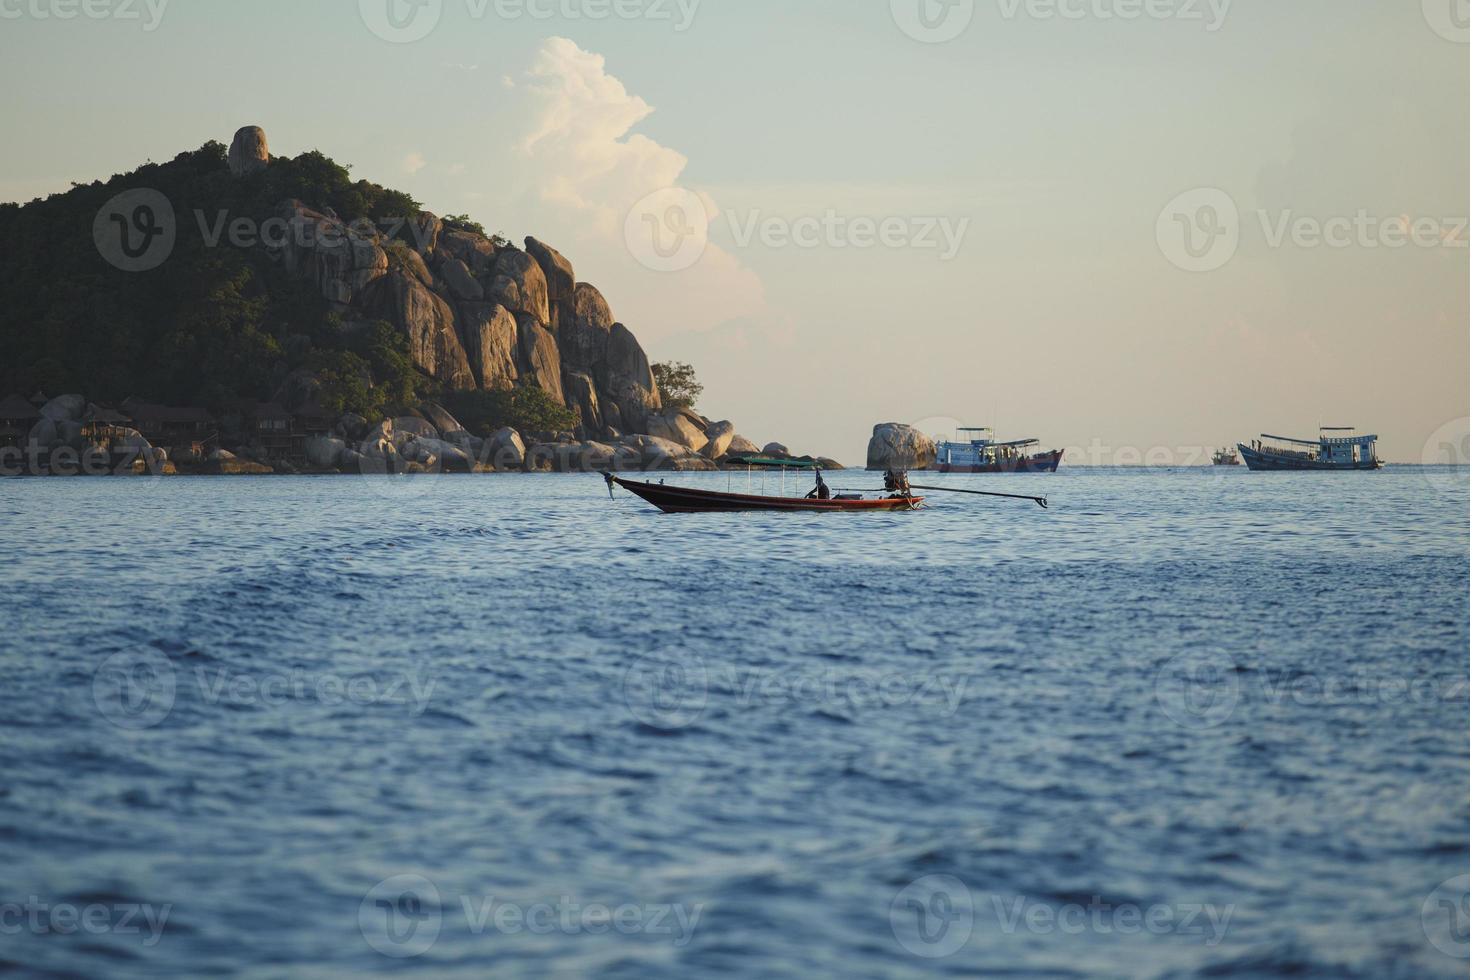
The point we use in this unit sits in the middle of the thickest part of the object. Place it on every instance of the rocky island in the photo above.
(303, 322)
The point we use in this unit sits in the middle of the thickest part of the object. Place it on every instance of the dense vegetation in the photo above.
(210, 323)
(678, 384)
(523, 409)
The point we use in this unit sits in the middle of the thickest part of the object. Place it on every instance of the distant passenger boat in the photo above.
(982, 454)
(1335, 449)
(1227, 457)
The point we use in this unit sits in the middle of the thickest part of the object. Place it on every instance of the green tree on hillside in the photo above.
(678, 384)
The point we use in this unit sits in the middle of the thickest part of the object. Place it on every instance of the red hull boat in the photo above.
(687, 500)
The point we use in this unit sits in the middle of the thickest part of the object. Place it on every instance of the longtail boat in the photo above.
(689, 500)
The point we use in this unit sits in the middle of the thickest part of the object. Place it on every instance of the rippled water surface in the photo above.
(1184, 723)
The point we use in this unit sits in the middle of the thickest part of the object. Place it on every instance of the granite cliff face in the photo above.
(479, 313)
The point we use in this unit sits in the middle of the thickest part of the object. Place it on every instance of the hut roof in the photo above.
(16, 407)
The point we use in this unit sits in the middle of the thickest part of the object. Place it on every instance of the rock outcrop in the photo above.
(681, 426)
(249, 152)
(720, 436)
(902, 447)
(491, 340)
(742, 446)
(64, 408)
(480, 313)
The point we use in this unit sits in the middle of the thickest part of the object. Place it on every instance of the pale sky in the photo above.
(1049, 149)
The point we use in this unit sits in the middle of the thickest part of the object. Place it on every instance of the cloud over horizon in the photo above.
(583, 164)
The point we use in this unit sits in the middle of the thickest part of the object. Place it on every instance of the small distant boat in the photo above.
(1337, 448)
(982, 454)
(1227, 457)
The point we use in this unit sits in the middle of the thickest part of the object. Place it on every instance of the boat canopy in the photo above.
(774, 463)
(1326, 440)
(1296, 442)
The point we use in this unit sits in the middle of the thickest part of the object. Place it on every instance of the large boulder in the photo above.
(457, 278)
(581, 395)
(720, 435)
(379, 443)
(583, 457)
(439, 416)
(429, 324)
(407, 427)
(411, 262)
(742, 446)
(540, 359)
(584, 329)
(520, 285)
(131, 439)
(186, 454)
(65, 408)
(506, 450)
(249, 152)
(776, 450)
(628, 382)
(896, 446)
(476, 251)
(561, 280)
(491, 338)
(43, 435)
(654, 453)
(694, 463)
(423, 231)
(324, 452)
(352, 427)
(679, 425)
(436, 454)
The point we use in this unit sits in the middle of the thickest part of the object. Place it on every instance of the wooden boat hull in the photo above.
(688, 500)
(1042, 463)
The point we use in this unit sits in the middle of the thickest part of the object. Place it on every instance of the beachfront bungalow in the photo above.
(164, 425)
(105, 426)
(314, 420)
(17, 416)
(276, 431)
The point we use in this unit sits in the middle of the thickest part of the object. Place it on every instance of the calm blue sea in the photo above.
(1184, 723)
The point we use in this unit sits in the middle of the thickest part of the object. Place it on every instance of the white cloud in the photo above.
(414, 162)
(588, 169)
